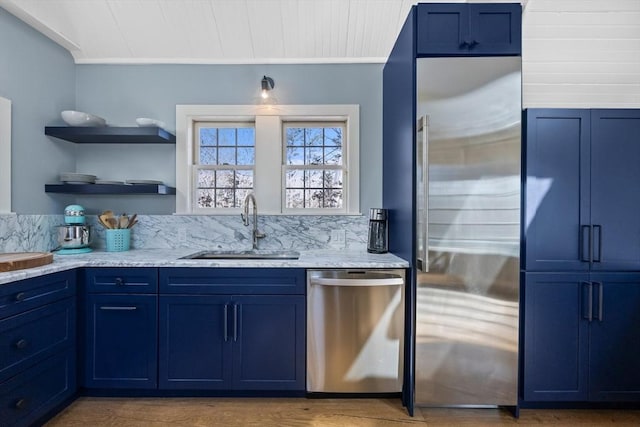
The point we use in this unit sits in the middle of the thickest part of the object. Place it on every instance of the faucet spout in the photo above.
(255, 234)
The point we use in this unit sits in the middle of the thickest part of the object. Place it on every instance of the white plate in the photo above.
(77, 177)
(145, 122)
(78, 182)
(78, 118)
(143, 181)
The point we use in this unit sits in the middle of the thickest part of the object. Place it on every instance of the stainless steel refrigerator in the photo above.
(468, 224)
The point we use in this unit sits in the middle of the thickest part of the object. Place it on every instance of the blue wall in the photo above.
(41, 79)
(38, 76)
(120, 93)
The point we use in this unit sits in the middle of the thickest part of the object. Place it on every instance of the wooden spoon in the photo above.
(123, 221)
(132, 221)
(104, 220)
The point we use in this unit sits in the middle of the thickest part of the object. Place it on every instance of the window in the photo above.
(295, 159)
(313, 163)
(224, 160)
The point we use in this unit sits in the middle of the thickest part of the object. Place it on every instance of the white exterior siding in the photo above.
(581, 53)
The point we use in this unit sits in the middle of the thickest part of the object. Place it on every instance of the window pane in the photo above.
(314, 179)
(332, 155)
(294, 179)
(313, 198)
(295, 137)
(206, 178)
(333, 136)
(333, 198)
(246, 136)
(244, 179)
(294, 199)
(240, 196)
(333, 179)
(313, 136)
(208, 156)
(206, 198)
(225, 179)
(226, 156)
(227, 136)
(208, 136)
(295, 156)
(224, 198)
(313, 156)
(246, 156)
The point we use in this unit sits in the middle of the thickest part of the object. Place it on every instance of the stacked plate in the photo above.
(77, 178)
(143, 181)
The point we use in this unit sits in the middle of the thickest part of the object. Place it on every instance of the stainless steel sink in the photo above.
(253, 254)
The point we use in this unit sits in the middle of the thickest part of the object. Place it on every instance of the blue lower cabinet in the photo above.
(121, 341)
(195, 347)
(231, 342)
(581, 337)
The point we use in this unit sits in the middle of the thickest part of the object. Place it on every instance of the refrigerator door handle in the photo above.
(422, 186)
(585, 229)
(589, 293)
(598, 228)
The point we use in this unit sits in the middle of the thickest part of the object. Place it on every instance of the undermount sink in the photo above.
(254, 254)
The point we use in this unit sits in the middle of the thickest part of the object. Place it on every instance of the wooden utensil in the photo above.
(132, 221)
(123, 221)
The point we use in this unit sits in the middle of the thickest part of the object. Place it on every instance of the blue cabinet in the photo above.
(580, 202)
(455, 29)
(214, 338)
(581, 337)
(38, 347)
(120, 328)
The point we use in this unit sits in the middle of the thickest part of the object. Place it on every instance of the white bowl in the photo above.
(78, 118)
(145, 122)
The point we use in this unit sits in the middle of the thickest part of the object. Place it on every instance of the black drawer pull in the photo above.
(22, 344)
(20, 296)
(119, 281)
(116, 308)
(21, 404)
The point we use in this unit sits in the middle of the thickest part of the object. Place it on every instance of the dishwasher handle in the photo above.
(330, 281)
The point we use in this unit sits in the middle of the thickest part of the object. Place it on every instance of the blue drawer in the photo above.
(35, 335)
(27, 294)
(27, 397)
(121, 280)
(243, 281)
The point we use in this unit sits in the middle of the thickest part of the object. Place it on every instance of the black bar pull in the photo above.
(585, 253)
(235, 322)
(600, 300)
(589, 312)
(225, 325)
(599, 230)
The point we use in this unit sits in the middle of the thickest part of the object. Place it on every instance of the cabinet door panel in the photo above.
(195, 350)
(121, 341)
(269, 352)
(614, 364)
(556, 199)
(441, 29)
(615, 201)
(495, 29)
(556, 343)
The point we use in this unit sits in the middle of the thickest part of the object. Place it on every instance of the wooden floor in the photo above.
(147, 412)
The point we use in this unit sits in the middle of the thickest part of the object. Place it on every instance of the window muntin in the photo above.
(314, 170)
(224, 164)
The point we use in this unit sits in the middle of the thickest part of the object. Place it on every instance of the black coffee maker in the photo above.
(378, 242)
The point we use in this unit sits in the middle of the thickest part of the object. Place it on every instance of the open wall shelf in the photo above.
(110, 189)
(111, 135)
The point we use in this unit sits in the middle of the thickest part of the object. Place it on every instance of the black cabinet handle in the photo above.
(22, 344)
(21, 404)
(587, 229)
(119, 281)
(464, 44)
(473, 43)
(118, 308)
(600, 300)
(225, 325)
(235, 322)
(20, 296)
(589, 312)
(598, 228)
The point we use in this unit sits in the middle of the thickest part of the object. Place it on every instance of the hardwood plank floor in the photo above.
(285, 412)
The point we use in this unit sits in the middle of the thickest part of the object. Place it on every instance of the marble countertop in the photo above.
(171, 258)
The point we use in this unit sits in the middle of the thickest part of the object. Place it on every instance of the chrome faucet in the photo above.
(255, 234)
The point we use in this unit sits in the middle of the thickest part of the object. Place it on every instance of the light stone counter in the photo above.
(321, 258)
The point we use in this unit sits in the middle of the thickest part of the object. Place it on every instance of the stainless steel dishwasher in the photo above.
(355, 331)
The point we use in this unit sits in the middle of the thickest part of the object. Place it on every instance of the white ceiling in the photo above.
(220, 31)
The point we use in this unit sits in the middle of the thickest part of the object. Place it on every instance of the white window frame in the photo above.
(268, 176)
(5, 155)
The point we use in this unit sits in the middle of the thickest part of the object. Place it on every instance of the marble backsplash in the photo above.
(25, 233)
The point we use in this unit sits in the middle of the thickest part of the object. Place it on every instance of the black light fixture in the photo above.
(267, 84)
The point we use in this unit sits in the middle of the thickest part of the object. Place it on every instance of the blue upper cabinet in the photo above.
(615, 200)
(458, 29)
(580, 203)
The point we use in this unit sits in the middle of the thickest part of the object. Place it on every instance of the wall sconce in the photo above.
(267, 84)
